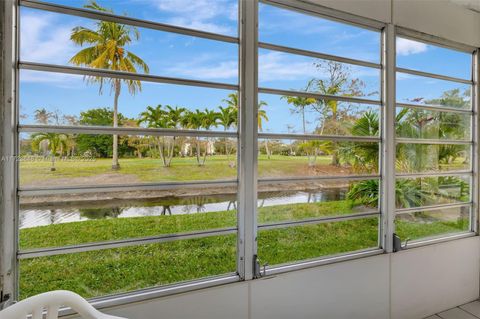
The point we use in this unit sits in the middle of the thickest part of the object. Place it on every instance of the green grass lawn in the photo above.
(116, 270)
(151, 170)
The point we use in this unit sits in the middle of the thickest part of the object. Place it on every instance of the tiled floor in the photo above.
(468, 311)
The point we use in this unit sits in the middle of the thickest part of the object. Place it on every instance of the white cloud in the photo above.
(408, 47)
(199, 14)
(206, 66)
(43, 39)
(280, 66)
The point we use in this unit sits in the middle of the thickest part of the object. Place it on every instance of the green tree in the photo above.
(98, 145)
(57, 143)
(107, 50)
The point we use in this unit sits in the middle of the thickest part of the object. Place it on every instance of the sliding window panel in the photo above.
(430, 223)
(424, 158)
(63, 99)
(65, 40)
(290, 201)
(300, 243)
(416, 123)
(50, 220)
(302, 115)
(420, 56)
(78, 159)
(424, 90)
(279, 158)
(220, 16)
(110, 271)
(309, 32)
(426, 191)
(286, 71)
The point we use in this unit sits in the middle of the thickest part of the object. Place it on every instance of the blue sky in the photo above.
(45, 38)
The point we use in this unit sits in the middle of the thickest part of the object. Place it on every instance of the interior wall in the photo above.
(411, 284)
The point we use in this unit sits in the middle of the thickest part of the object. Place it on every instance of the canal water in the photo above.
(46, 215)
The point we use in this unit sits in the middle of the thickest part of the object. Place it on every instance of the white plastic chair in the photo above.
(51, 302)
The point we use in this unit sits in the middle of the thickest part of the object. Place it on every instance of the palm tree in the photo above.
(106, 50)
(300, 104)
(56, 143)
(42, 116)
(157, 117)
(226, 118)
(209, 119)
(262, 116)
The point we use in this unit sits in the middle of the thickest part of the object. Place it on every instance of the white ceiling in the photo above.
(470, 4)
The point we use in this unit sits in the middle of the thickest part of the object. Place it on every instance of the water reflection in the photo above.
(33, 216)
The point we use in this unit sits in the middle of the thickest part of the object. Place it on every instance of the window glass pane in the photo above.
(55, 39)
(103, 272)
(417, 192)
(72, 102)
(293, 244)
(289, 158)
(420, 56)
(48, 221)
(293, 29)
(422, 90)
(418, 158)
(219, 16)
(299, 201)
(84, 159)
(426, 124)
(432, 223)
(300, 115)
(299, 73)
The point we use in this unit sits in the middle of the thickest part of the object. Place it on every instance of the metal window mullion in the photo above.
(248, 129)
(400, 211)
(434, 174)
(434, 40)
(433, 76)
(435, 108)
(318, 96)
(113, 244)
(8, 97)
(318, 55)
(318, 137)
(408, 140)
(45, 191)
(105, 16)
(475, 132)
(74, 70)
(122, 131)
(387, 192)
(296, 179)
(320, 220)
(328, 13)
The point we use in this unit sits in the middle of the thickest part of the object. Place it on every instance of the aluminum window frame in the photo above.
(332, 15)
(247, 136)
(473, 141)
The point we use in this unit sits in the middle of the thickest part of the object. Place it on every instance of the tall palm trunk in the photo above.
(267, 150)
(52, 168)
(198, 152)
(115, 164)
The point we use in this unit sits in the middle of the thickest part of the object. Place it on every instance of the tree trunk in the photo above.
(115, 164)
(198, 152)
(52, 168)
(170, 151)
(266, 149)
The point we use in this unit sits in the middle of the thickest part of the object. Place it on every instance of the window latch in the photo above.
(259, 270)
(397, 243)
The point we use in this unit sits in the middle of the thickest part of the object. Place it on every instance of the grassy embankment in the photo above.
(115, 270)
